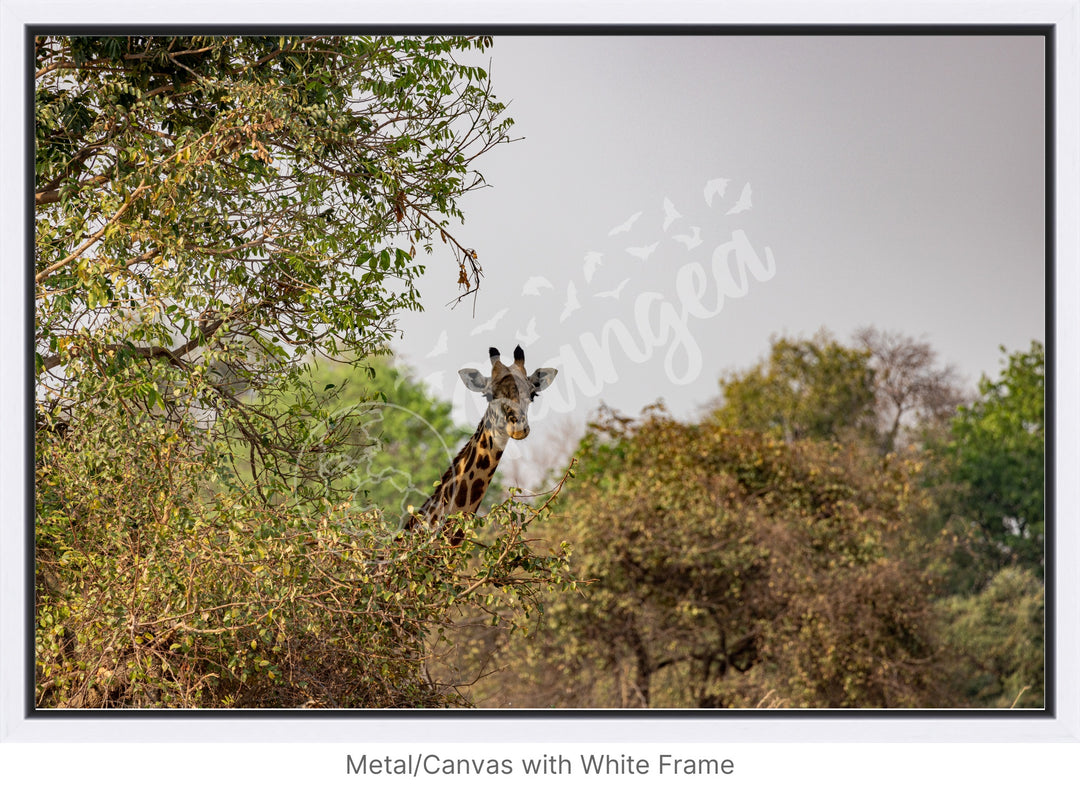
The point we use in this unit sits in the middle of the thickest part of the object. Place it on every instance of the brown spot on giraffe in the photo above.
(476, 494)
(461, 497)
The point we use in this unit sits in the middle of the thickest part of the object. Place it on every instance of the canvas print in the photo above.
(617, 372)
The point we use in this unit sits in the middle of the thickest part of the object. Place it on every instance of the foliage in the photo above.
(996, 457)
(885, 389)
(213, 213)
(719, 566)
(782, 553)
(402, 439)
(998, 635)
(164, 581)
(811, 389)
(473, 652)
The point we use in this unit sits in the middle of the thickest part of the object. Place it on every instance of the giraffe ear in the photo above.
(474, 380)
(542, 377)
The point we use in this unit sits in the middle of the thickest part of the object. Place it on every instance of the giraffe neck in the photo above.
(462, 487)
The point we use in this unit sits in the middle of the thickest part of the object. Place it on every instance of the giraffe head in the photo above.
(509, 391)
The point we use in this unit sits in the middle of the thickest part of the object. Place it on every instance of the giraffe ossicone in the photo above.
(509, 391)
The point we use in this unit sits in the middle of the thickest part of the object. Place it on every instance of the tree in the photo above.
(911, 391)
(885, 387)
(998, 636)
(996, 460)
(213, 213)
(806, 389)
(213, 210)
(720, 566)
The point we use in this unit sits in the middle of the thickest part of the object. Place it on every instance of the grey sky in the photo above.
(896, 181)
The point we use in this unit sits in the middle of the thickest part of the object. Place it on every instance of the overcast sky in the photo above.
(895, 181)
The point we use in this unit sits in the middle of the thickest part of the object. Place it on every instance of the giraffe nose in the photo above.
(519, 431)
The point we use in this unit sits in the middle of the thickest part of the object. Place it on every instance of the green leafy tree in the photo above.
(885, 390)
(996, 460)
(213, 210)
(213, 213)
(805, 389)
(721, 568)
(998, 636)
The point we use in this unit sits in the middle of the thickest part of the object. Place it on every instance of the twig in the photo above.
(1018, 696)
(93, 239)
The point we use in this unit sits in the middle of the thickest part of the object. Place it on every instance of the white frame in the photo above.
(561, 727)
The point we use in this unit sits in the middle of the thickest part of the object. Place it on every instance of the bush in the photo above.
(998, 639)
(165, 580)
(718, 566)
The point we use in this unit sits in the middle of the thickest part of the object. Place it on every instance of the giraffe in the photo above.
(509, 392)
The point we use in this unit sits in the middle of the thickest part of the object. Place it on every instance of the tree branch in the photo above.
(93, 239)
(49, 195)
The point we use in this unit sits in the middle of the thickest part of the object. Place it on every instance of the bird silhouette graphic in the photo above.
(572, 302)
(529, 336)
(533, 285)
(690, 241)
(715, 188)
(490, 324)
(743, 203)
(440, 345)
(592, 260)
(642, 252)
(670, 214)
(626, 225)
(614, 293)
